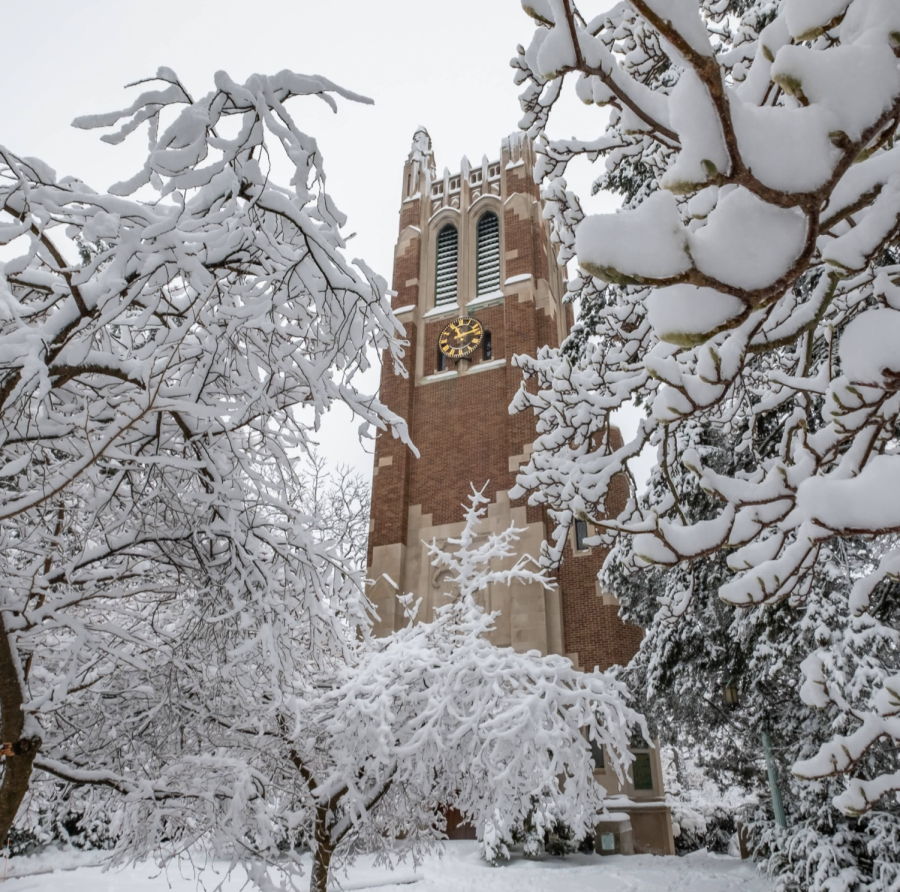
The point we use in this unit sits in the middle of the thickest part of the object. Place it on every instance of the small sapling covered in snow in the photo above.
(435, 716)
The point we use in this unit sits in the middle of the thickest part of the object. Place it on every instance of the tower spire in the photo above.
(420, 152)
(418, 173)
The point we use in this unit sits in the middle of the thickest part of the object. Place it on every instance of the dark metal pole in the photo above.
(777, 803)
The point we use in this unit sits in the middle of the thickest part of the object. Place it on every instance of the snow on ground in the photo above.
(459, 870)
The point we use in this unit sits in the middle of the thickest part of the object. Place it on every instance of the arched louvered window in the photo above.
(447, 266)
(488, 257)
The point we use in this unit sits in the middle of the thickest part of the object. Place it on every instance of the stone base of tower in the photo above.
(530, 617)
(576, 618)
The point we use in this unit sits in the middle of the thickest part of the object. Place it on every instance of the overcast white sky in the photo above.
(441, 64)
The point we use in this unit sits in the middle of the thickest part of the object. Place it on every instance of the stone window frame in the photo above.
(573, 541)
(428, 267)
(580, 544)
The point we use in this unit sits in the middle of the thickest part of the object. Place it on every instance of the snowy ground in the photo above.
(460, 870)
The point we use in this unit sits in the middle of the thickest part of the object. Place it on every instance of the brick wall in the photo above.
(594, 632)
(460, 441)
(518, 244)
(519, 178)
(406, 269)
(409, 214)
(390, 484)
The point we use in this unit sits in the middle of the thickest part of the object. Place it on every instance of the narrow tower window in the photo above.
(597, 753)
(488, 254)
(486, 346)
(581, 533)
(447, 264)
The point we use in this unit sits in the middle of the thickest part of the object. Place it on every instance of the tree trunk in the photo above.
(21, 750)
(679, 770)
(318, 881)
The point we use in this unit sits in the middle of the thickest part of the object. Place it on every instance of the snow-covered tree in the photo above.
(339, 500)
(751, 285)
(688, 657)
(154, 398)
(436, 715)
(366, 753)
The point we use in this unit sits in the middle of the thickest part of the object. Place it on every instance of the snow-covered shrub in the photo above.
(496, 840)
(688, 826)
(435, 715)
(803, 859)
(543, 832)
(58, 813)
(830, 853)
(23, 841)
(883, 846)
(699, 826)
(560, 840)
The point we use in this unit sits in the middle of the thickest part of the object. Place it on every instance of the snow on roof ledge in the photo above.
(486, 366)
(441, 309)
(439, 376)
(486, 298)
(513, 279)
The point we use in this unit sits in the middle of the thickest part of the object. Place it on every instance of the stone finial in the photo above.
(420, 151)
(514, 146)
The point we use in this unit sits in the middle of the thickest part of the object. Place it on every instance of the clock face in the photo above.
(461, 337)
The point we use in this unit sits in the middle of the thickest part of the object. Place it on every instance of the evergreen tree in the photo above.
(748, 295)
(697, 644)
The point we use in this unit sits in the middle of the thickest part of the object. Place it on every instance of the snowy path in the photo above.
(460, 870)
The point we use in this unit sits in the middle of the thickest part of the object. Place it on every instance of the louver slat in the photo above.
(447, 265)
(488, 254)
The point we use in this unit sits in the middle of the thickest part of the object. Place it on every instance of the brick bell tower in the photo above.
(475, 244)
